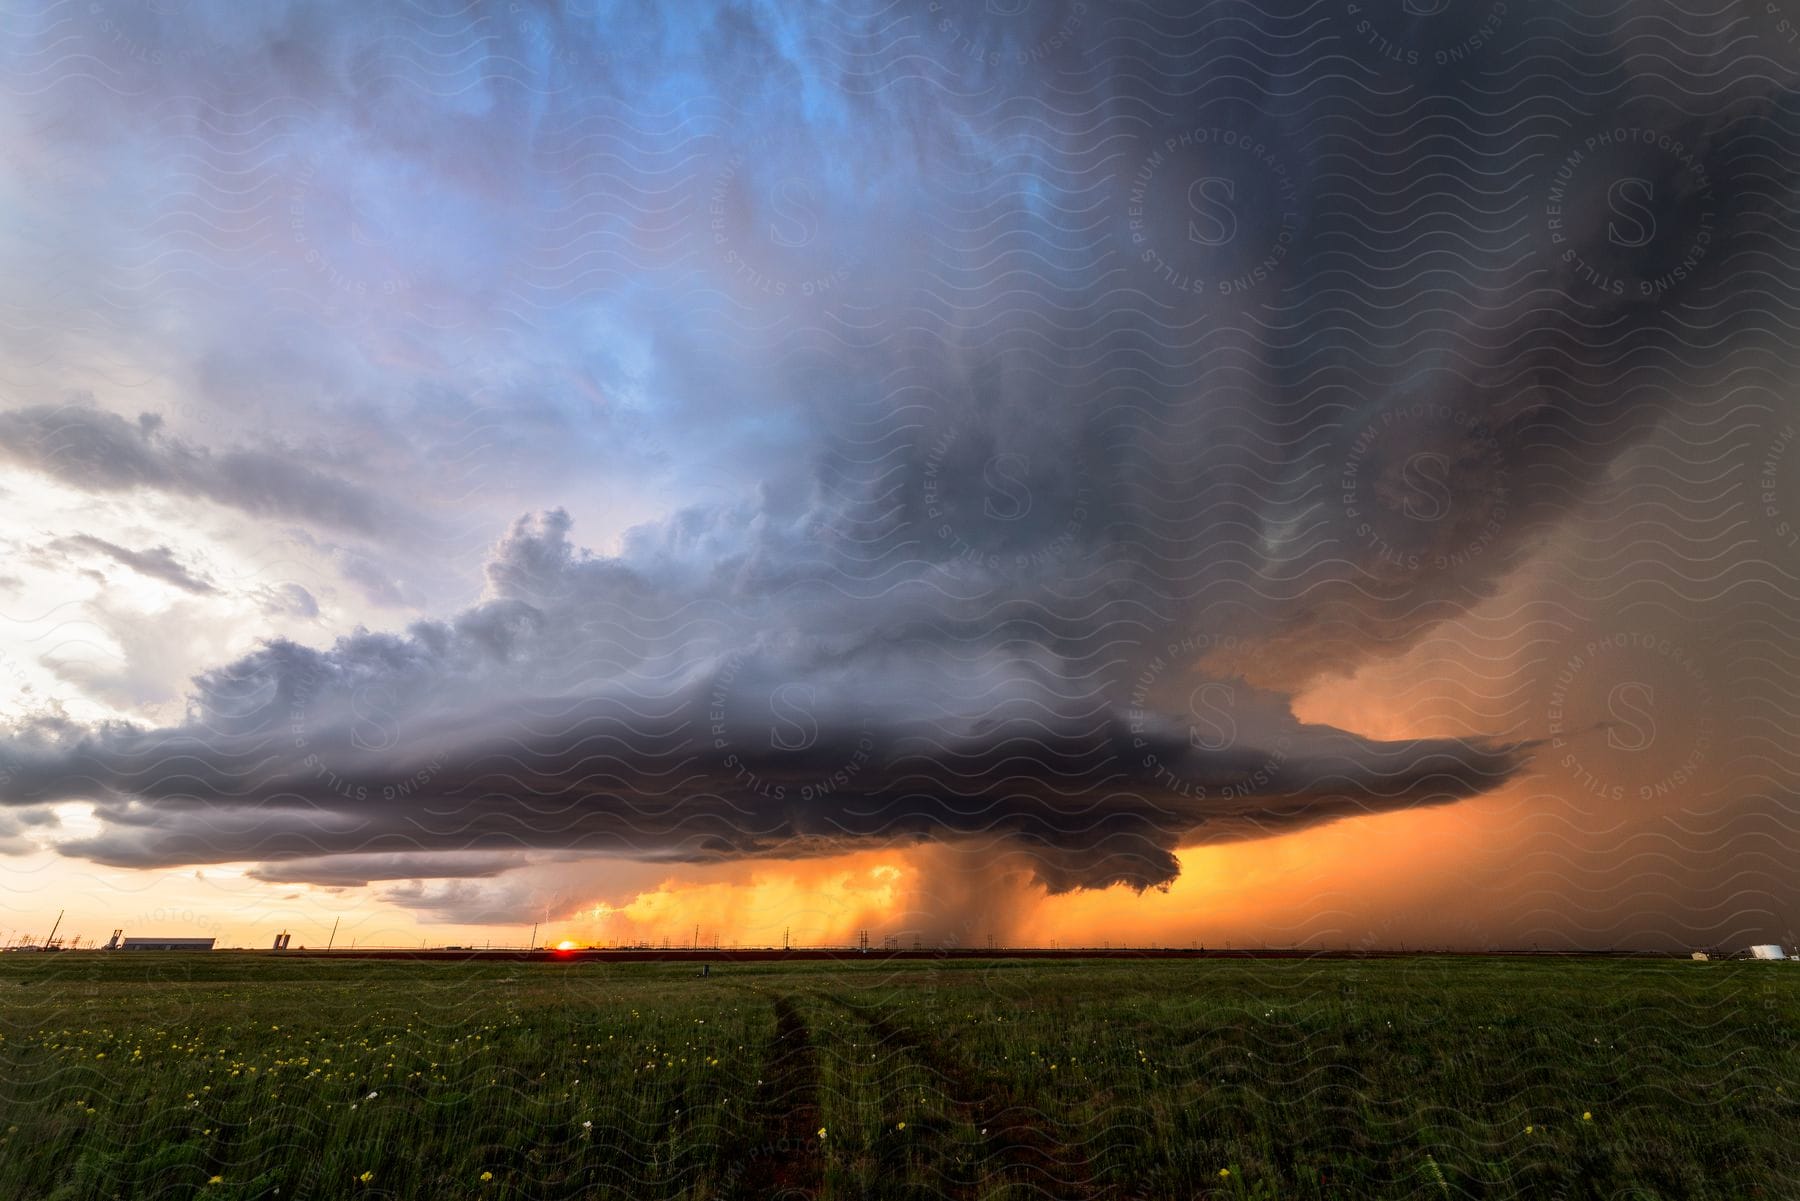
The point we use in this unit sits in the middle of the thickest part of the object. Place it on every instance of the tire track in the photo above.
(1018, 1143)
(784, 1158)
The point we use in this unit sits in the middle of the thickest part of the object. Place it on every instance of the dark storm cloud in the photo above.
(619, 711)
(97, 451)
(1450, 348)
(354, 870)
(15, 829)
(466, 903)
(159, 562)
(1102, 378)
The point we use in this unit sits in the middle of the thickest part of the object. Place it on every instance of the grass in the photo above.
(256, 1077)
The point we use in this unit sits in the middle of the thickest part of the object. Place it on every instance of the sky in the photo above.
(1032, 471)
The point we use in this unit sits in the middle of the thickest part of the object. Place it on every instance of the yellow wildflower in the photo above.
(366, 1177)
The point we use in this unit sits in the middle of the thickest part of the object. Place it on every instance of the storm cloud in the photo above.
(608, 706)
(159, 562)
(992, 423)
(97, 451)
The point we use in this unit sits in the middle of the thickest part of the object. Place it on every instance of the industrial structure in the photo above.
(153, 943)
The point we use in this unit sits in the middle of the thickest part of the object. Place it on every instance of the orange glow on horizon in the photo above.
(1327, 885)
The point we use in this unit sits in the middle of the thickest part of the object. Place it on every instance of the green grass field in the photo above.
(254, 1077)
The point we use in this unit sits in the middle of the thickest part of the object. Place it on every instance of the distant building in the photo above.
(1767, 950)
(166, 944)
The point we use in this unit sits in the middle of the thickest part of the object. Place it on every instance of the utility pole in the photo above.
(696, 936)
(785, 932)
(532, 945)
(333, 938)
(53, 929)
